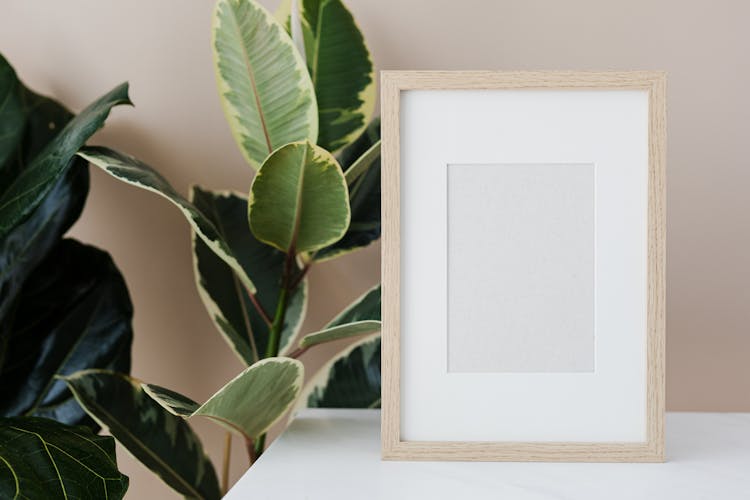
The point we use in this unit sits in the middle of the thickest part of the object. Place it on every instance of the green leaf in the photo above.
(361, 162)
(74, 312)
(29, 241)
(341, 71)
(339, 332)
(12, 114)
(29, 188)
(299, 199)
(227, 302)
(362, 165)
(250, 403)
(265, 90)
(351, 379)
(135, 172)
(41, 458)
(365, 308)
(164, 443)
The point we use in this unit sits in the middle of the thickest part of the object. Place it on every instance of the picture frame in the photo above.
(583, 154)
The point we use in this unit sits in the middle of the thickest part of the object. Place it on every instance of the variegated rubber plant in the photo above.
(298, 91)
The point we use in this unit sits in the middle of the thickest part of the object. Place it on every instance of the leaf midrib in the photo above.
(251, 75)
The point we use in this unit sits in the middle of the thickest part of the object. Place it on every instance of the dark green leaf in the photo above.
(74, 313)
(364, 194)
(226, 300)
(12, 116)
(162, 441)
(44, 459)
(351, 379)
(365, 308)
(31, 186)
(341, 71)
(28, 242)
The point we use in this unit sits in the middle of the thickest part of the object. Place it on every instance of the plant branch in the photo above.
(298, 352)
(259, 308)
(225, 464)
(301, 275)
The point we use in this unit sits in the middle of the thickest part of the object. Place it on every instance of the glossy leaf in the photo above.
(265, 90)
(351, 379)
(163, 442)
(30, 240)
(299, 199)
(250, 403)
(365, 308)
(340, 332)
(341, 70)
(74, 312)
(135, 172)
(361, 163)
(41, 458)
(227, 302)
(12, 114)
(30, 187)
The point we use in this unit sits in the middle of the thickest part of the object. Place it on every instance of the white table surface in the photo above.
(335, 454)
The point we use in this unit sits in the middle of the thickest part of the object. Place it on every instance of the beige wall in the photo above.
(78, 49)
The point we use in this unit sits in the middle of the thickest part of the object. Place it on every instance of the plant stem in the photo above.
(225, 465)
(274, 336)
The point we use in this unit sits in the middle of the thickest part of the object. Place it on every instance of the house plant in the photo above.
(302, 121)
(64, 305)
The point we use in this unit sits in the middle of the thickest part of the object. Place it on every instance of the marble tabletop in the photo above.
(335, 454)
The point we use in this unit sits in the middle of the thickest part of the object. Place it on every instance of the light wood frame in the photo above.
(393, 447)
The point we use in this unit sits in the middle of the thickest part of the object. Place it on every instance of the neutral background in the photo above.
(79, 49)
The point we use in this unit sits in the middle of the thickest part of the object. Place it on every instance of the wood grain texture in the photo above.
(393, 448)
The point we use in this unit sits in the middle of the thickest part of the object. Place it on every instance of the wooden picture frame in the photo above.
(397, 446)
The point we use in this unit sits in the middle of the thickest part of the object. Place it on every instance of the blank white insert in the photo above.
(521, 267)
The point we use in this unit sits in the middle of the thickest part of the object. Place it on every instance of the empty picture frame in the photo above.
(523, 266)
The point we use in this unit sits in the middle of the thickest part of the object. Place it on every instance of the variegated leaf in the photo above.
(265, 90)
(227, 302)
(164, 443)
(350, 379)
(341, 70)
(250, 403)
(29, 189)
(361, 163)
(299, 199)
(135, 172)
(339, 332)
(365, 308)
